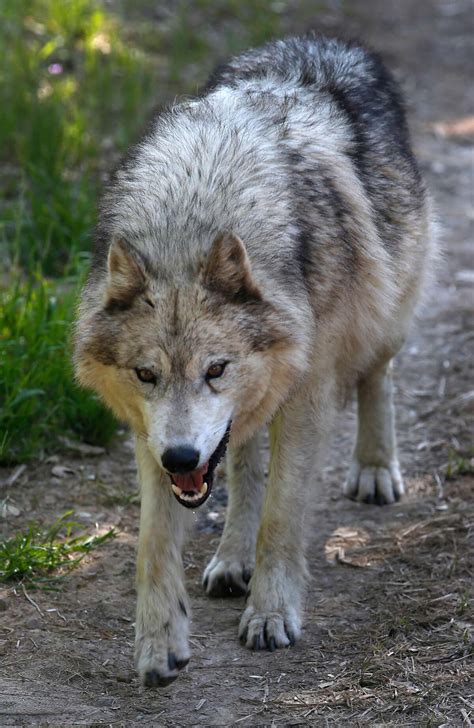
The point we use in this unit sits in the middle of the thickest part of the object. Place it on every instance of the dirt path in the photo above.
(387, 637)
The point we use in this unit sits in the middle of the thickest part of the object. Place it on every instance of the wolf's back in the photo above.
(366, 104)
(354, 76)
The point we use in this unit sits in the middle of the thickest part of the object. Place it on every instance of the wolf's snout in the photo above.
(182, 459)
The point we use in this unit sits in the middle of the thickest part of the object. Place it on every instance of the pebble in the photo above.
(33, 623)
(106, 700)
(123, 677)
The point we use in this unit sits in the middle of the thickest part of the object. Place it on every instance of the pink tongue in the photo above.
(191, 482)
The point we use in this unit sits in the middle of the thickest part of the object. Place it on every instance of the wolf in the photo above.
(259, 254)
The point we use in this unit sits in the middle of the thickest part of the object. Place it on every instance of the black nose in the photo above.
(181, 459)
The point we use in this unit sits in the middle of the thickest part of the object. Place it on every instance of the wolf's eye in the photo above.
(216, 370)
(145, 375)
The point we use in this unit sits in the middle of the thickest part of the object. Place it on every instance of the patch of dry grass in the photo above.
(413, 658)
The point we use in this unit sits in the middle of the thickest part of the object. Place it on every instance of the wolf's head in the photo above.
(185, 358)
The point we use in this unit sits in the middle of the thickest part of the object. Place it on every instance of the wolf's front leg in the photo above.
(161, 642)
(272, 617)
(374, 475)
(230, 569)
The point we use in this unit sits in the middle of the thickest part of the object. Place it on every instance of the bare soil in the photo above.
(387, 637)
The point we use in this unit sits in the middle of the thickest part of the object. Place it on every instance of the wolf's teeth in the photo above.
(176, 490)
(190, 497)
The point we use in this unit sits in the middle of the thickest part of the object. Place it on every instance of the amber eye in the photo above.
(145, 375)
(216, 370)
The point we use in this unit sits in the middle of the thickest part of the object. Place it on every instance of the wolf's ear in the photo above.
(126, 276)
(228, 269)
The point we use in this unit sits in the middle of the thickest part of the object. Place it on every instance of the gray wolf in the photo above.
(259, 254)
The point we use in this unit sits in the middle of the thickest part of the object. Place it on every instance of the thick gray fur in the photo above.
(278, 222)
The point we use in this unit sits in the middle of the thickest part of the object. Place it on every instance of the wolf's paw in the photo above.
(269, 630)
(159, 662)
(161, 653)
(374, 484)
(226, 577)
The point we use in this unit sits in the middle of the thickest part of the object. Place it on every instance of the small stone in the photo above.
(8, 509)
(82, 447)
(62, 471)
(123, 677)
(106, 700)
(33, 623)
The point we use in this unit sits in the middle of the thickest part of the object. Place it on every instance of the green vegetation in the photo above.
(39, 555)
(77, 84)
(460, 462)
(38, 390)
(67, 76)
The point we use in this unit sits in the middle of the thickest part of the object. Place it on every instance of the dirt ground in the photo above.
(387, 633)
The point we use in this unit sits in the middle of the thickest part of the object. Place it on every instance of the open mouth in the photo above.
(193, 489)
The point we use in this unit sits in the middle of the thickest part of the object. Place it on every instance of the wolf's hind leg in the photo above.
(374, 475)
(162, 622)
(230, 569)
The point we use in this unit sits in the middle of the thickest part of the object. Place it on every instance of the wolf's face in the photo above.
(185, 362)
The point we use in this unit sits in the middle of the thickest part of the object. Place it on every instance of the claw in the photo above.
(246, 575)
(290, 635)
(224, 586)
(172, 662)
(153, 679)
(230, 587)
(244, 635)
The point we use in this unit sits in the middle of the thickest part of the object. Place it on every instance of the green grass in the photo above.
(77, 84)
(42, 555)
(66, 77)
(39, 396)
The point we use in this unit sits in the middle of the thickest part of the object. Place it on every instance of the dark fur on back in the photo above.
(367, 96)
